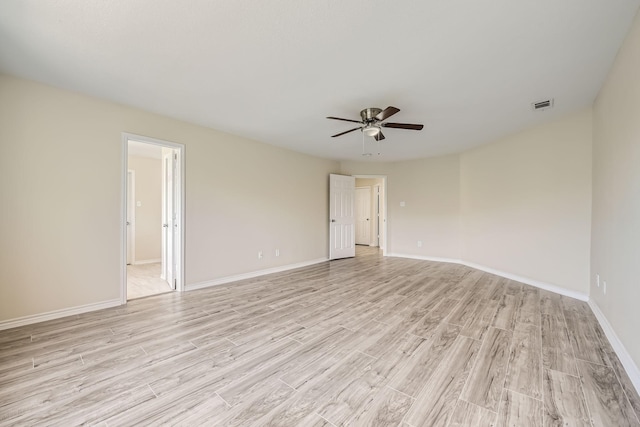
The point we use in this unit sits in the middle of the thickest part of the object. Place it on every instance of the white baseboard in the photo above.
(546, 286)
(625, 358)
(147, 261)
(427, 258)
(57, 314)
(542, 285)
(250, 275)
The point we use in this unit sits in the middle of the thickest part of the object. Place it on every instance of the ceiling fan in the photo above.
(372, 122)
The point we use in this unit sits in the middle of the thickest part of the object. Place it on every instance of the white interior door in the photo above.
(363, 216)
(341, 216)
(169, 219)
(131, 217)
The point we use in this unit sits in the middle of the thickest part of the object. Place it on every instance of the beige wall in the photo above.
(430, 190)
(520, 205)
(615, 231)
(61, 192)
(526, 203)
(244, 197)
(148, 192)
(368, 182)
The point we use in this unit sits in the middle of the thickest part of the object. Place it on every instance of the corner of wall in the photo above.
(618, 347)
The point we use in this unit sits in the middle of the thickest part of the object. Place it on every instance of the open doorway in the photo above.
(357, 215)
(153, 243)
(370, 225)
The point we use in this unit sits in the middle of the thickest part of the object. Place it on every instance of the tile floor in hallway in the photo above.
(144, 280)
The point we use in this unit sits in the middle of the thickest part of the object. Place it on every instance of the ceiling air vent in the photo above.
(542, 105)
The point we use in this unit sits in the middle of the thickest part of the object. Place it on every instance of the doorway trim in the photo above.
(130, 219)
(383, 228)
(126, 137)
(377, 192)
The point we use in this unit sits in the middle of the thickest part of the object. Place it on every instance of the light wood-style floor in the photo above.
(369, 341)
(144, 280)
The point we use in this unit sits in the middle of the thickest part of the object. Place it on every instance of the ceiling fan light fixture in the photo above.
(371, 130)
(373, 120)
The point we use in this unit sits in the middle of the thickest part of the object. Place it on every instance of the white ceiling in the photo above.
(272, 70)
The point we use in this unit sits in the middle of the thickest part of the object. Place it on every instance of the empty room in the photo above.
(320, 213)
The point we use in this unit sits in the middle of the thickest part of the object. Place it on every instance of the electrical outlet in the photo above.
(259, 254)
(604, 287)
(419, 243)
(277, 252)
(598, 280)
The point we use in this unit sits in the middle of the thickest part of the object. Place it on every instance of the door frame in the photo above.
(377, 192)
(383, 214)
(130, 234)
(169, 168)
(180, 199)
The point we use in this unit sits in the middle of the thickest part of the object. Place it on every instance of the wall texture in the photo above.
(615, 228)
(148, 223)
(526, 203)
(521, 205)
(61, 191)
(429, 189)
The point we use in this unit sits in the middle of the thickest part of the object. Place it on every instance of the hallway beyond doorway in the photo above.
(144, 280)
(368, 251)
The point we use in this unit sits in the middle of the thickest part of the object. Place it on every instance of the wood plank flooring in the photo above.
(368, 341)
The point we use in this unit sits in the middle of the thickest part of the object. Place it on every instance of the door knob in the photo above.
(165, 225)
(333, 220)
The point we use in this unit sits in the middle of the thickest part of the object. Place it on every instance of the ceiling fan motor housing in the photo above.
(369, 114)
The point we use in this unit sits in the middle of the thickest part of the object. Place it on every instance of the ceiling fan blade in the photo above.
(379, 136)
(344, 120)
(386, 113)
(402, 126)
(342, 133)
